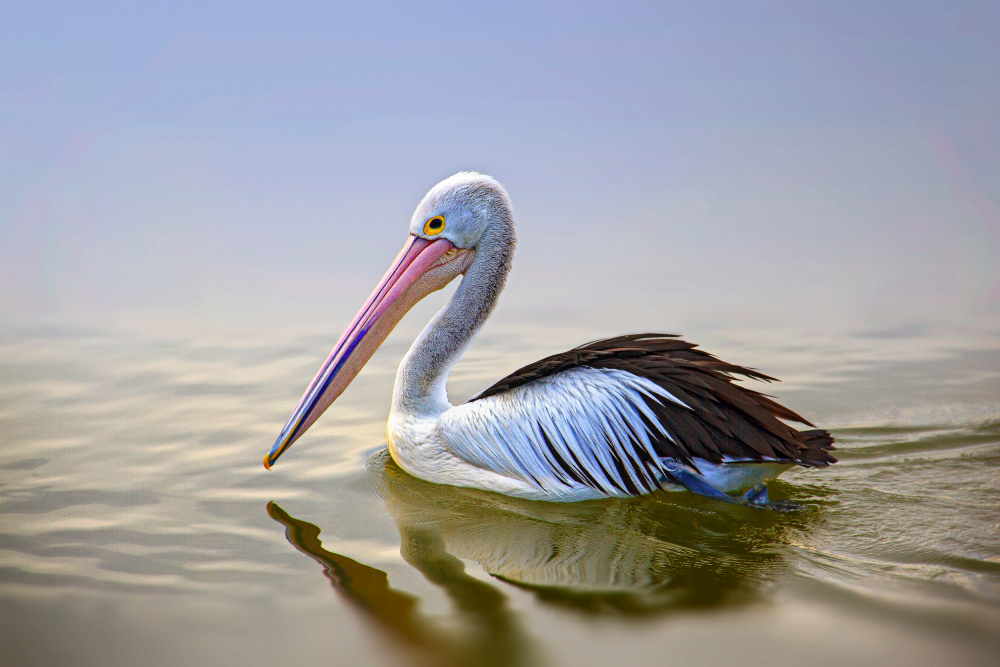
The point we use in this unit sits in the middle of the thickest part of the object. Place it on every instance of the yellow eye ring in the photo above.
(434, 226)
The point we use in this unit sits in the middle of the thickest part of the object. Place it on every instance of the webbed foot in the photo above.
(758, 497)
(755, 497)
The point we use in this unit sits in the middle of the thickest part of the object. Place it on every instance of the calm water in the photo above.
(139, 527)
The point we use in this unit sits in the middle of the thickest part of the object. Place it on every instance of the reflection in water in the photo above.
(642, 556)
(491, 638)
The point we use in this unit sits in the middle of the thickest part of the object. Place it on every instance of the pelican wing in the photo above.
(606, 414)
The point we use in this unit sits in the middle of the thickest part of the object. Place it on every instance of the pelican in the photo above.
(623, 416)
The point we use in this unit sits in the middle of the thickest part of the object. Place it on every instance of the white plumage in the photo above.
(589, 418)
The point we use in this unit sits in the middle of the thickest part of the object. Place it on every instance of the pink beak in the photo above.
(415, 273)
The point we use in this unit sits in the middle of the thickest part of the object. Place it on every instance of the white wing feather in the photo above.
(564, 429)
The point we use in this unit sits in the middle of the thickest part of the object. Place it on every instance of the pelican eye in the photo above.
(434, 226)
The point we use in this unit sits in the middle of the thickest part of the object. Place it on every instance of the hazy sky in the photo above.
(221, 160)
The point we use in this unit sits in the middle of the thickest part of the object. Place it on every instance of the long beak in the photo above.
(422, 267)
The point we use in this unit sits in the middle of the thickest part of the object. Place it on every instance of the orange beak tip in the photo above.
(267, 463)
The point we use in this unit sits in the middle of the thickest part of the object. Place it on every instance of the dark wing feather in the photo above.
(725, 419)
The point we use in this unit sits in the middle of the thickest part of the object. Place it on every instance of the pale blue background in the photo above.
(245, 165)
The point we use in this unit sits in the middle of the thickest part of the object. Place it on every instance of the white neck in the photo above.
(422, 379)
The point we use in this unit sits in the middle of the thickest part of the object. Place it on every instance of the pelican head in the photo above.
(457, 218)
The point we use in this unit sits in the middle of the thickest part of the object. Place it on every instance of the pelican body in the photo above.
(617, 417)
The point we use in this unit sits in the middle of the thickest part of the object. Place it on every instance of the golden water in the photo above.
(139, 527)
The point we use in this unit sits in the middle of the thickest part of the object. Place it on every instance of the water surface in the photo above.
(139, 527)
